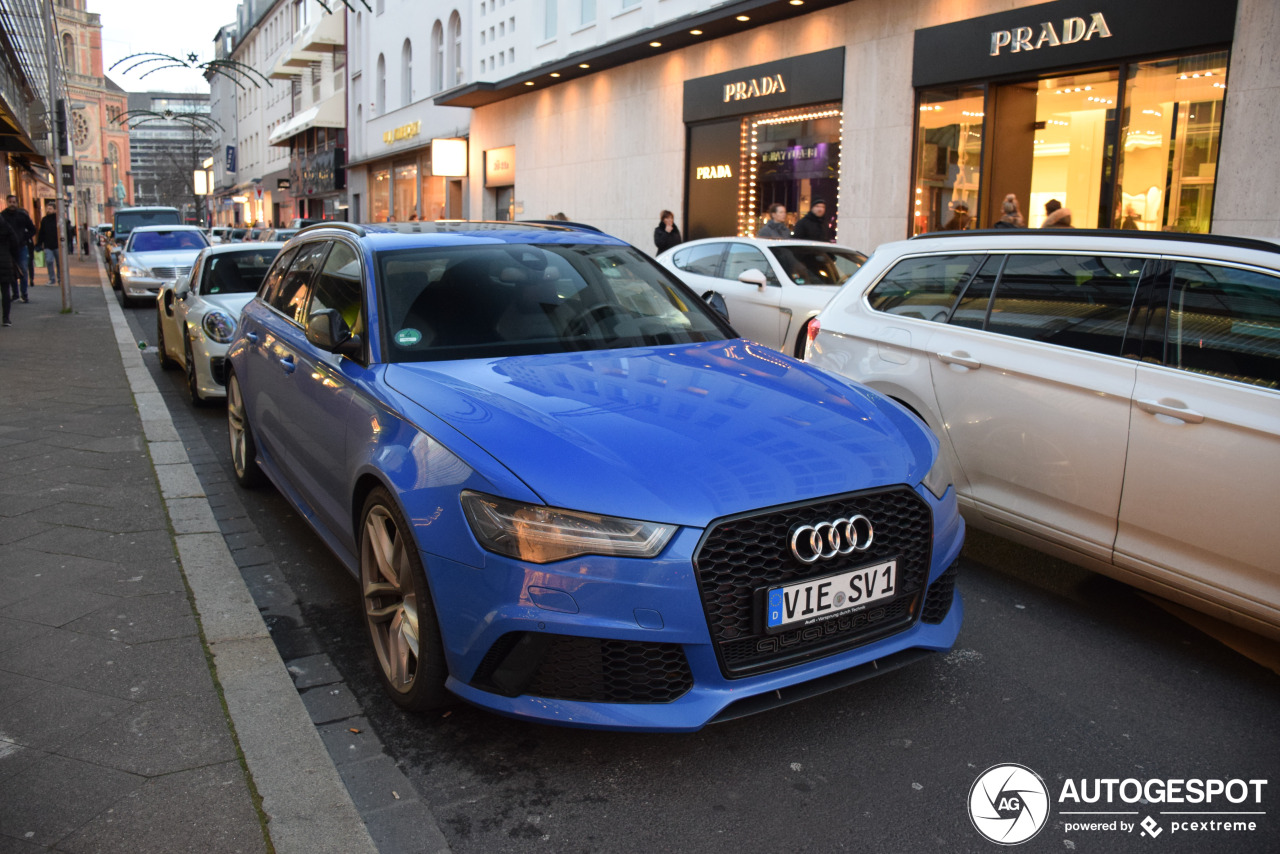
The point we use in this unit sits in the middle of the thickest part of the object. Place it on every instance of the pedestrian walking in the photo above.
(8, 266)
(1056, 216)
(666, 234)
(776, 227)
(47, 239)
(813, 225)
(1012, 215)
(20, 221)
(84, 240)
(960, 219)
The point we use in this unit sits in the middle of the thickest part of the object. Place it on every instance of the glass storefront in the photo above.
(405, 190)
(1132, 146)
(379, 195)
(790, 157)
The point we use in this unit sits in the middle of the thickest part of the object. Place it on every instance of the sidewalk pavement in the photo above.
(143, 705)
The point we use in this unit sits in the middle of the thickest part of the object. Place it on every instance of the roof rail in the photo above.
(357, 230)
(1258, 244)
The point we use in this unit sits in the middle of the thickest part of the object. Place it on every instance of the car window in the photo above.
(703, 259)
(166, 241)
(338, 286)
(807, 265)
(924, 287)
(1078, 301)
(271, 284)
(236, 272)
(479, 302)
(293, 291)
(742, 258)
(1224, 322)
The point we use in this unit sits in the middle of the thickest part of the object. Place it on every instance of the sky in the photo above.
(173, 27)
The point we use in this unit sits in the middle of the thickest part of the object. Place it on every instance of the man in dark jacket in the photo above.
(47, 239)
(813, 225)
(19, 220)
(8, 265)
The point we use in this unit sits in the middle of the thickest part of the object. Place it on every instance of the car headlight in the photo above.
(132, 270)
(219, 326)
(545, 534)
(939, 477)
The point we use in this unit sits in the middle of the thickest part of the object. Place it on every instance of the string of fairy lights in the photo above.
(748, 199)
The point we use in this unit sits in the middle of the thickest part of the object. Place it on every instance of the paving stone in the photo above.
(141, 619)
(313, 670)
(115, 519)
(375, 782)
(159, 737)
(219, 817)
(21, 528)
(252, 556)
(100, 544)
(15, 687)
(406, 825)
(52, 715)
(192, 516)
(138, 578)
(294, 642)
(346, 746)
(65, 607)
(15, 759)
(330, 703)
(81, 790)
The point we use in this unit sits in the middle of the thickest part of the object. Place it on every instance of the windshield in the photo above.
(166, 241)
(480, 302)
(236, 272)
(813, 265)
(127, 221)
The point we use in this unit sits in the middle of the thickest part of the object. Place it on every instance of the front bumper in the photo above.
(624, 644)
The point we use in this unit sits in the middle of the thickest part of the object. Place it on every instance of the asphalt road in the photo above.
(1070, 674)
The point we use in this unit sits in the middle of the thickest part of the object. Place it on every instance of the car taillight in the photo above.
(814, 326)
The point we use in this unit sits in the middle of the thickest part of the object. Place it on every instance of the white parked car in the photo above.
(196, 315)
(1112, 398)
(770, 289)
(155, 255)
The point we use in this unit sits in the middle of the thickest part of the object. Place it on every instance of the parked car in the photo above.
(770, 289)
(571, 493)
(196, 314)
(1109, 397)
(156, 254)
(219, 234)
(279, 234)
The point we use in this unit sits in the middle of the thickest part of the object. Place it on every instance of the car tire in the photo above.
(244, 450)
(401, 618)
(193, 382)
(166, 363)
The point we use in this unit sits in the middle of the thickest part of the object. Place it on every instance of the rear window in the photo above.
(127, 221)
(236, 273)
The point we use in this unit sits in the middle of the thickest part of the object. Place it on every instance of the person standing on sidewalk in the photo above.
(47, 239)
(8, 265)
(20, 221)
(776, 227)
(813, 225)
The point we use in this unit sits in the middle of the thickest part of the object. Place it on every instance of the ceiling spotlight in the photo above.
(555, 74)
(695, 32)
(528, 82)
(655, 44)
(744, 18)
(584, 65)
(797, 2)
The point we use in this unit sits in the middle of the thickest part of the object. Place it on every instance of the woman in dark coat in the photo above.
(666, 234)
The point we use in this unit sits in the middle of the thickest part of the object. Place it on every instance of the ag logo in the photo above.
(1008, 804)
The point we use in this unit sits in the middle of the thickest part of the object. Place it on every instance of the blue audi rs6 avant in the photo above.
(570, 493)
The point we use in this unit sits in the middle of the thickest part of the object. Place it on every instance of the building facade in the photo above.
(398, 61)
(890, 112)
(166, 152)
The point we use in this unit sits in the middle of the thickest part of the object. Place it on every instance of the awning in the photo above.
(329, 113)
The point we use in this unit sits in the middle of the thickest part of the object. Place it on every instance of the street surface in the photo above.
(1057, 669)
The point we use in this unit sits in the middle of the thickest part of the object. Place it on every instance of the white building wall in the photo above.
(262, 107)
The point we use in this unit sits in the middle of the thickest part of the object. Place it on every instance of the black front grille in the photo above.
(595, 670)
(218, 367)
(740, 556)
(937, 602)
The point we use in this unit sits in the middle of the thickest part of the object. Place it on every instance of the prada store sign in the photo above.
(1067, 33)
(791, 82)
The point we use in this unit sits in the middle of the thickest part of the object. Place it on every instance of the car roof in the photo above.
(1108, 239)
(764, 241)
(233, 248)
(405, 235)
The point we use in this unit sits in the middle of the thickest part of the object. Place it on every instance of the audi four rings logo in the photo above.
(825, 540)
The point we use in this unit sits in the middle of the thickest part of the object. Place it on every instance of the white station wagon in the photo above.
(1110, 397)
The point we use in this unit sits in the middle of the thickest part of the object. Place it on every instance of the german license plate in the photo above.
(817, 600)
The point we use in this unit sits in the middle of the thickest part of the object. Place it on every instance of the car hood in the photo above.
(680, 435)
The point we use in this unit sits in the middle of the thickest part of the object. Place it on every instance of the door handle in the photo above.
(288, 364)
(252, 336)
(960, 358)
(1172, 408)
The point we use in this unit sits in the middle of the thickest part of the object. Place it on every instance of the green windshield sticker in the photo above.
(408, 337)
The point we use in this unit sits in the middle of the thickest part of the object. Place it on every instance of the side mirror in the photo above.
(327, 330)
(716, 300)
(753, 277)
(182, 287)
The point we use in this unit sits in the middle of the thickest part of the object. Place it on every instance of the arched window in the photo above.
(68, 53)
(380, 93)
(437, 57)
(455, 49)
(406, 74)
